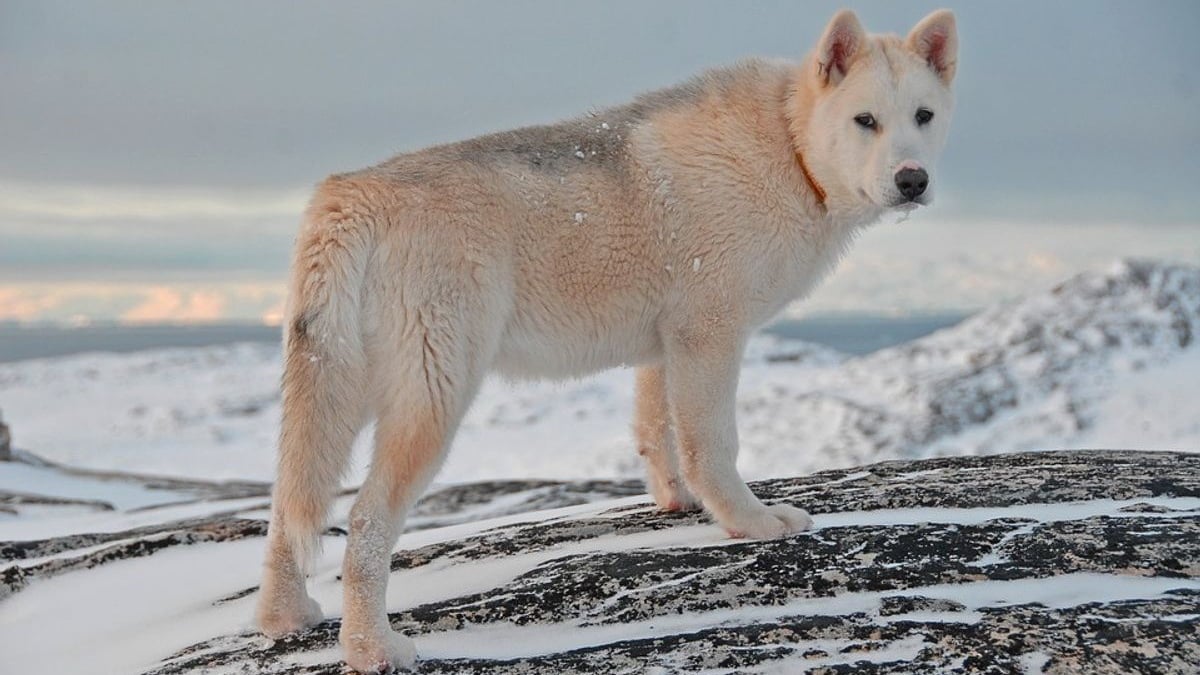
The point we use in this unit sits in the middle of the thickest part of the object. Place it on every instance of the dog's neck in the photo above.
(813, 185)
(795, 108)
(796, 99)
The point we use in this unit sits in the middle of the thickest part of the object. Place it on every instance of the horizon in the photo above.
(849, 333)
(117, 322)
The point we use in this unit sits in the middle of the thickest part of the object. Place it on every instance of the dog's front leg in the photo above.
(656, 442)
(702, 374)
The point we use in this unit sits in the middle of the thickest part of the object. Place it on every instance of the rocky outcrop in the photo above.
(1056, 562)
(5, 441)
(233, 510)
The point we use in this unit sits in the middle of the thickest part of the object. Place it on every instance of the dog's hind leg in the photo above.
(322, 413)
(323, 410)
(424, 388)
(656, 442)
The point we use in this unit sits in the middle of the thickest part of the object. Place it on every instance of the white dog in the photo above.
(657, 234)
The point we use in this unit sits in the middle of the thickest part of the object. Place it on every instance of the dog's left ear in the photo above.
(935, 39)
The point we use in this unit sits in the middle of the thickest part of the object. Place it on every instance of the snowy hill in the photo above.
(1057, 562)
(1103, 360)
(1107, 359)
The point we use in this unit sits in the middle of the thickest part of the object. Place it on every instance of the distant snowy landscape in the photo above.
(1107, 359)
(103, 570)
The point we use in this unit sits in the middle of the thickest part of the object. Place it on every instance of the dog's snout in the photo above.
(912, 182)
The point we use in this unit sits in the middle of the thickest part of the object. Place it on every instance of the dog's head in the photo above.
(877, 111)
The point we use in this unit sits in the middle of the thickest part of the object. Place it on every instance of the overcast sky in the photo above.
(154, 156)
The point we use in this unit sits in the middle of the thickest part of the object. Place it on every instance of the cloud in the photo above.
(166, 305)
(273, 315)
(185, 302)
(73, 202)
(60, 232)
(18, 306)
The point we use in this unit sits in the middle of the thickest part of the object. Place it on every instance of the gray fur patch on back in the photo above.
(597, 140)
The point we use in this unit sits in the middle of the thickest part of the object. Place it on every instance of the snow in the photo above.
(47, 482)
(1150, 408)
(1083, 366)
(1034, 663)
(130, 412)
(1042, 513)
(57, 524)
(148, 613)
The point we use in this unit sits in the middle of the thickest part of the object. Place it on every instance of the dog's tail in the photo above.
(325, 369)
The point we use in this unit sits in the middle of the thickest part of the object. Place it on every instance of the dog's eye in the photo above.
(865, 120)
(923, 116)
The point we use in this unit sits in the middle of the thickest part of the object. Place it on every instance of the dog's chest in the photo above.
(804, 250)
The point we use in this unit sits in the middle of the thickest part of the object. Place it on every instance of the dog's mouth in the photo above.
(900, 203)
(904, 209)
(904, 204)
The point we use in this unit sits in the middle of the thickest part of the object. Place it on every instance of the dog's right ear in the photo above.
(839, 45)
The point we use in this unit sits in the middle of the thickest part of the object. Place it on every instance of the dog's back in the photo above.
(578, 234)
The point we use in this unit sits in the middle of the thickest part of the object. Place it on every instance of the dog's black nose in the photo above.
(912, 182)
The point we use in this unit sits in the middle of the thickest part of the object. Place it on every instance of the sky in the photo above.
(155, 157)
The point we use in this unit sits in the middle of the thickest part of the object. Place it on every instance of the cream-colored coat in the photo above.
(657, 234)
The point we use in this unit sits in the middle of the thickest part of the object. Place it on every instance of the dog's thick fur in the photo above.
(657, 234)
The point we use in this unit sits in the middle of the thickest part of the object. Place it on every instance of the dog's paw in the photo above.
(277, 619)
(769, 522)
(372, 653)
(671, 495)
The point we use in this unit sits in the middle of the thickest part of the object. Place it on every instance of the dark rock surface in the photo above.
(1063, 562)
(5, 441)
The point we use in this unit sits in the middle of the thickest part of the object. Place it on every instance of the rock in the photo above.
(1054, 562)
(5, 442)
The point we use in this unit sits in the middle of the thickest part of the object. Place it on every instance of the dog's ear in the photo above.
(935, 39)
(844, 37)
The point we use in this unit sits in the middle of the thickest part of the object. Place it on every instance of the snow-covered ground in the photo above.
(93, 562)
(1107, 359)
(1081, 555)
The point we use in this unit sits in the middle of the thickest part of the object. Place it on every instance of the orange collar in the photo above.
(812, 182)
